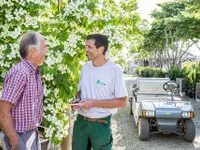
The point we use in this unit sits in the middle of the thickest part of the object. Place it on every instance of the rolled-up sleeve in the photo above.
(13, 87)
(79, 85)
(119, 89)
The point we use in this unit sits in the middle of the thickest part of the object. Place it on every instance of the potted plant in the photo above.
(175, 72)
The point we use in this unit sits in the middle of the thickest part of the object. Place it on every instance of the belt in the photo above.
(32, 130)
(99, 120)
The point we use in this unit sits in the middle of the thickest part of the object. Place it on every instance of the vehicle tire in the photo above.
(143, 129)
(189, 130)
(131, 105)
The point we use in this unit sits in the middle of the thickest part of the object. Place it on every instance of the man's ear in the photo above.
(32, 51)
(101, 49)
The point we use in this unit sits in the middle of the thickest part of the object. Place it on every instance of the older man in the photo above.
(21, 105)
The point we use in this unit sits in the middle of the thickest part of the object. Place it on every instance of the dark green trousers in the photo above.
(98, 134)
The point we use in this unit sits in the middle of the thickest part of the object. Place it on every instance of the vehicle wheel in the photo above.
(143, 129)
(131, 106)
(189, 130)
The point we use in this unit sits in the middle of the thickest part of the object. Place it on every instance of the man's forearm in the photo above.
(7, 125)
(110, 103)
(116, 103)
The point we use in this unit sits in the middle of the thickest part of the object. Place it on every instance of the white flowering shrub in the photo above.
(65, 32)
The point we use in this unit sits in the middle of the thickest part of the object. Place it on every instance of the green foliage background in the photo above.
(65, 30)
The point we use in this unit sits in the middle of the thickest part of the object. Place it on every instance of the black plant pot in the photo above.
(193, 95)
(186, 92)
(43, 141)
(44, 144)
(190, 93)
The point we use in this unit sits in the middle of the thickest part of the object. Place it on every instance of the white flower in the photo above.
(9, 17)
(54, 58)
(62, 68)
(10, 4)
(49, 131)
(56, 90)
(46, 92)
(31, 21)
(4, 47)
(19, 13)
(14, 34)
(107, 18)
(22, 2)
(48, 77)
(52, 41)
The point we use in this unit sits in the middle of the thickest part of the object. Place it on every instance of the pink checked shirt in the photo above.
(23, 88)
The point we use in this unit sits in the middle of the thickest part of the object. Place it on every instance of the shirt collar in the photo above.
(30, 66)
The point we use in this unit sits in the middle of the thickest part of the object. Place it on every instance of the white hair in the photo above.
(29, 40)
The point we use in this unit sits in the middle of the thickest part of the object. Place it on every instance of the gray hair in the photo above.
(29, 40)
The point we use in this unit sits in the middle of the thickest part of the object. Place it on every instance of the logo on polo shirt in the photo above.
(101, 83)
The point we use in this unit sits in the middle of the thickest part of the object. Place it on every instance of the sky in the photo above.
(145, 7)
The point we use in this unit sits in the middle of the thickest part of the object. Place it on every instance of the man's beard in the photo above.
(88, 57)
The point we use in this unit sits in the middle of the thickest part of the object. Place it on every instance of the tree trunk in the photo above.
(66, 143)
(59, 5)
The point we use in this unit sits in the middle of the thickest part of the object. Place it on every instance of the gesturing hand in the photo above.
(85, 104)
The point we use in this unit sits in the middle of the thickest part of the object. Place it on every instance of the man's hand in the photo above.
(7, 124)
(74, 101)
(85, 104)
(109, 103)
(14, 142)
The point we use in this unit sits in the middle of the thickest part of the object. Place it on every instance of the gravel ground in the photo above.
(125, 132)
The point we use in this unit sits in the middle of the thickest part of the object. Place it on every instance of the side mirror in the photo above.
(134, 86)
(134, 89)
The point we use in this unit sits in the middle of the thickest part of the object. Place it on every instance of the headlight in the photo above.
(187, 114)
(148, 113)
